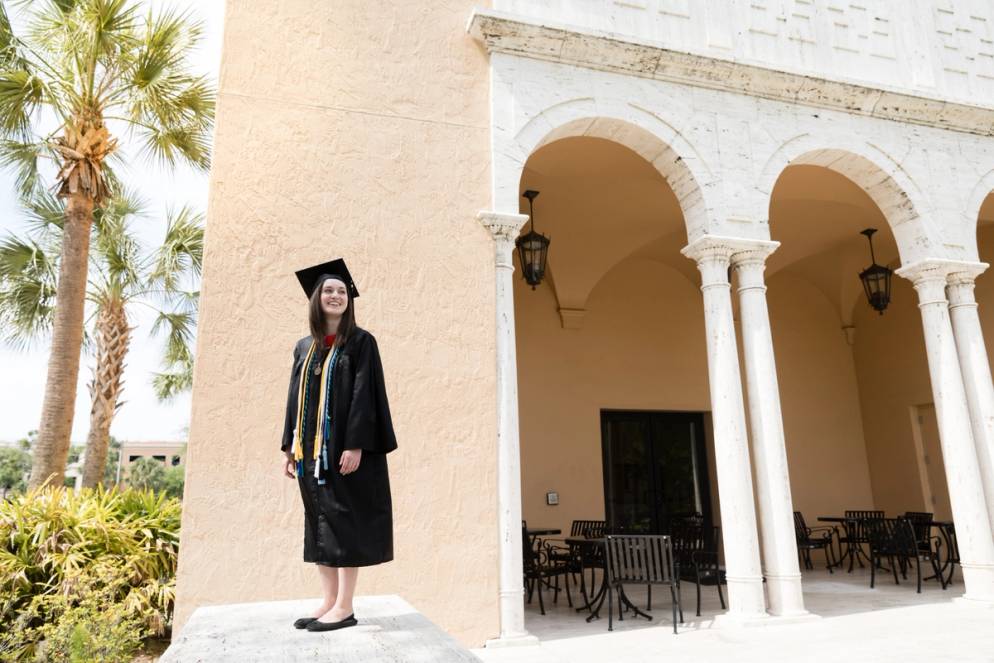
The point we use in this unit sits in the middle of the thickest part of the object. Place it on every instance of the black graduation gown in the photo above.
(348, 521)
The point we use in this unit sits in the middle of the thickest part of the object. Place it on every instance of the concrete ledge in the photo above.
(389, 629)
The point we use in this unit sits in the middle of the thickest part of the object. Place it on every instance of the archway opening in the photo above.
(854, 383)
(611, 356)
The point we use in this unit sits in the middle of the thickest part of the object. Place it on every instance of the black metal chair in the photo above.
(949, 561)
(856, 536)
(695, 551)
(592, 559)
(640, 559)
(813, 538)
(921, 522)
(894, 539)
(539, 568)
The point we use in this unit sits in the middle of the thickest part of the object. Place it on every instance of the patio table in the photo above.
(948, 532)
(594, 603)
(541, 531)
(853, 550)
(579, 545)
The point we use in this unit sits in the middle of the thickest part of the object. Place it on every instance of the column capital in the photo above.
(731, 249)
(942, 269)
(502, 226)
(965, 273)
(960, 286)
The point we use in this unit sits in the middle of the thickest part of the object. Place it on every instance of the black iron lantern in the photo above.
(876, 279)
(533, 248)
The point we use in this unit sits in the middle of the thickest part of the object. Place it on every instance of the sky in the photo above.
(22, 373)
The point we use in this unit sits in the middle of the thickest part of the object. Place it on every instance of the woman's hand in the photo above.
(350, 461)
(289, 466)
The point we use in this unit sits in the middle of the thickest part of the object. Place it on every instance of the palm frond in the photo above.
(21, 93)
(171, 145)
(181, 252)
(169, 384)
(180, 327)
(28, 277)
(11, 53)
(45, 212)
(21, 158)
(117, 252)
(111, 25)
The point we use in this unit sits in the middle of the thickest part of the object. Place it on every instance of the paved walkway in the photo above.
(389, 630)
(889, 623)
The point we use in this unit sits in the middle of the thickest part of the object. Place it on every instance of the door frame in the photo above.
(703, 478)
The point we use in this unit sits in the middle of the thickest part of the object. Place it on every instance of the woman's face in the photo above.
(334, 298)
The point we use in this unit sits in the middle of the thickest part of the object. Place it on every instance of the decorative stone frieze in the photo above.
(557, 42)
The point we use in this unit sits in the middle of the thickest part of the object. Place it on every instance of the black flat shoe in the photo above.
(332, 626)
(303, 622)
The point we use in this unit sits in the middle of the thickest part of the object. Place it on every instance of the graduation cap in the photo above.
(310, 276)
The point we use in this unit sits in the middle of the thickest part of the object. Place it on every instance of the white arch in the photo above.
(979, 194)
(638, 129)
(901, 201)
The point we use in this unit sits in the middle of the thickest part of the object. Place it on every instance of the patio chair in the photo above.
(949, 561)
(894, 539)
(695, 552)
(813, 538)
(921, 522)
(640, 559)
(592, 559)
(855, 536)
(539, 569)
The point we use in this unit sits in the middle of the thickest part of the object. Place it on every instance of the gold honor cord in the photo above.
(319, 428)
(298, 451)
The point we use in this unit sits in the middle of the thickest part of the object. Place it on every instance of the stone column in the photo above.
(738, 513)
(966, 492)
(776, 511)
(505, 229)
(976, 369)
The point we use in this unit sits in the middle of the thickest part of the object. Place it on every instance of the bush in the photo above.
(80, 566)
(174, 481)
(147, 474)
(14, 466)
(92, 631)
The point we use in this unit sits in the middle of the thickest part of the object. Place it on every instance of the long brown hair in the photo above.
(345, 325)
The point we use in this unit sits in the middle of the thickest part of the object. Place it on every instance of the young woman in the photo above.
(335, 440)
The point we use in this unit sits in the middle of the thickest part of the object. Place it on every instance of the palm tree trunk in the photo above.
(52, 447)
(113, 338)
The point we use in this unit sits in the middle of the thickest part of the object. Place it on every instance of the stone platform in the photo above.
(389, 630)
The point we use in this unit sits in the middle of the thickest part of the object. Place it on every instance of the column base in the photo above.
(974, 603)
(731, 620)
(522, 640)
(746, 595)
(978, 583)
(786, 598)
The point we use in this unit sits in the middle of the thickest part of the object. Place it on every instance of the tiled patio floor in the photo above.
(855, 623)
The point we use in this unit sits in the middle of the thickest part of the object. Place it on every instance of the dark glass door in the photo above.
(655, 469)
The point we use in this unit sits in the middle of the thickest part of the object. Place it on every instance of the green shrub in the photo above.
(92, 631)
(64, 551)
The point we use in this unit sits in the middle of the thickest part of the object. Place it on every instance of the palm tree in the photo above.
(82, 69)
(122, 275)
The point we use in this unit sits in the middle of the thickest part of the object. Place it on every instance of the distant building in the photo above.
(169, 453)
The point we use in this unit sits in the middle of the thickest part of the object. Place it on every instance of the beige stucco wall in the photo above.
(352, 129)
(641, 347)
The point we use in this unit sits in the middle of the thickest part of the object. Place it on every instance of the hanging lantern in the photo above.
(533, 248)
(876, 279)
